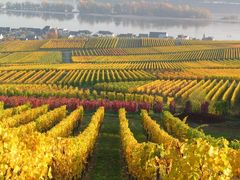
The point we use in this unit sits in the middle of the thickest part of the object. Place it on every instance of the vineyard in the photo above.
(119, 108)
(32, 57)
(72, 77)
(14, 46)
(120, 56)
(139, 51)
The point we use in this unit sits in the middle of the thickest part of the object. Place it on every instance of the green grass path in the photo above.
(106, 162)
(136, 126)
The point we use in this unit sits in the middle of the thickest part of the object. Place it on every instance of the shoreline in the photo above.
(214, 19)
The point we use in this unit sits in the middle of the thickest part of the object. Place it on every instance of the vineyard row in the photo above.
(216, 54)
(72, 77)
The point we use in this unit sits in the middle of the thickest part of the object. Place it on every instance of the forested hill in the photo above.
(214, 6)
(142, 8)
(173, 1)
(161, 8)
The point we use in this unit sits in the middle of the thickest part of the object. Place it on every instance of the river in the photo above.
(194, 28)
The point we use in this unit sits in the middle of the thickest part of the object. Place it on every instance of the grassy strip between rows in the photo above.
(106, 162)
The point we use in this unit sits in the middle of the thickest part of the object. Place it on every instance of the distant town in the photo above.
(25, 33)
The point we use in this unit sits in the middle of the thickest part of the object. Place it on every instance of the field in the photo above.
(32, 57)
(119, 108)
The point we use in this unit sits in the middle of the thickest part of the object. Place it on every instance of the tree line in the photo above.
(143, 8)
(27, 6)
(136, 8)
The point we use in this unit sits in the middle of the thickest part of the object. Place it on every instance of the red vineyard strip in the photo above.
(73, 103)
